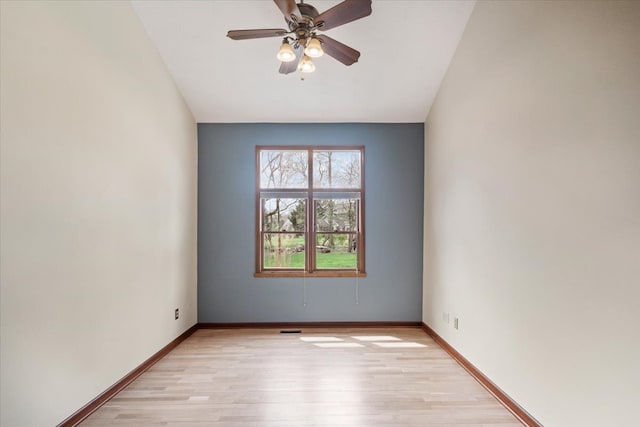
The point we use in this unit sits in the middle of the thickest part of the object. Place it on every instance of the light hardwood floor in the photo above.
(322, 377)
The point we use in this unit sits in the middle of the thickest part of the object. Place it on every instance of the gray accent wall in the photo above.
(394, 179)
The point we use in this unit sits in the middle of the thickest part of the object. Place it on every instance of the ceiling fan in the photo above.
(301, 41)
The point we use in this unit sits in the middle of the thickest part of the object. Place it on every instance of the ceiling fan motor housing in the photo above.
(303, 27)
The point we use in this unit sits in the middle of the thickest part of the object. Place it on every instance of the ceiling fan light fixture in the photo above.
(306, 65)
(286, 53)
(300, 38)
(314, 48)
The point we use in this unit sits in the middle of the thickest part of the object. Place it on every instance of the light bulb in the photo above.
(306, 65)
(286, 53)
(314, 48)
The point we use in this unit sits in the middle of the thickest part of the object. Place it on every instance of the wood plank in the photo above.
(245, 377)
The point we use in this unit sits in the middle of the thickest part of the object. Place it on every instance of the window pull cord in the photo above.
(304, 289)
(357, 282)
(357, 289)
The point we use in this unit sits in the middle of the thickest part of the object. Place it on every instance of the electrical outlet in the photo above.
(177, 315)
(455, 322)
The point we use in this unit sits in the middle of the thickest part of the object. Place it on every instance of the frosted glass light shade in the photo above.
(286, 53)
(306, 65)
(314, 48)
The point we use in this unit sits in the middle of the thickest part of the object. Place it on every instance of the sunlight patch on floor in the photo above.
(376, 338)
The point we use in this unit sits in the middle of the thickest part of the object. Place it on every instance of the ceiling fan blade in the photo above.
(290, 67)
(256, 34)
(342, 13)
(288, 8)
(339, 51)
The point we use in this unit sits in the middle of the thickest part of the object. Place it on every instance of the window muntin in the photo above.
(309, 194)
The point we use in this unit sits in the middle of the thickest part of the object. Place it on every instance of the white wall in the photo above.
(98, 219)
(533, 201)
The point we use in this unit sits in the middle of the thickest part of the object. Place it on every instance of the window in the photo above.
(309, 211)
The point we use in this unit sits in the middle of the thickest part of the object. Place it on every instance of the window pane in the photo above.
(336, 215)
(336, 251)
(283, 251)
(336, 169)
(283, 169)
(283, 215)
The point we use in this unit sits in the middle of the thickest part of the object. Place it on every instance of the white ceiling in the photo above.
(405, 46)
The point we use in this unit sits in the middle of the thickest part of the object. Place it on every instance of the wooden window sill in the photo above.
(324, 273)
